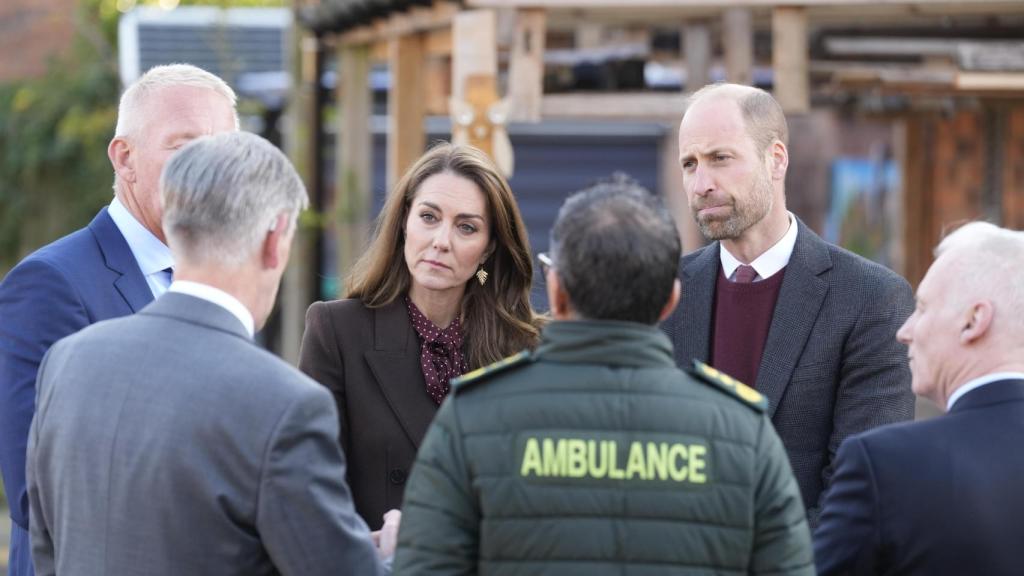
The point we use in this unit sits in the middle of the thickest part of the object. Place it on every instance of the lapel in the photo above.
(800, 298)
(131, 284)
(696, 307)
(395, 364)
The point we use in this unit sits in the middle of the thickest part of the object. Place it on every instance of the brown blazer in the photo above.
(370, 360)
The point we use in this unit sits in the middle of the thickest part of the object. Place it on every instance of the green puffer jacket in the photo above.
(596, 455)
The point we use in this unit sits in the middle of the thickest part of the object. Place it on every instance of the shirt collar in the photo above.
(218, 297)
(978, 383)
(151, 254)
(771, 261)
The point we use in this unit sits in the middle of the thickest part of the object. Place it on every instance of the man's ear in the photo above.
(778, 158)
(278, 233)
(558, 298)
(977, 322)
(121, 158)
(673, 300)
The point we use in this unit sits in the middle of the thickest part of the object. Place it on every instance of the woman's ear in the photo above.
(488, 252)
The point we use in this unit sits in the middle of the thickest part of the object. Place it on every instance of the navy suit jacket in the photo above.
(831, 365)
(87, 276)
(942, 496)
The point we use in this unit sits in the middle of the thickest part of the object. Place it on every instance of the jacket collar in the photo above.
(989, 394)
(117, 256)
(605, 342)
(196, 311)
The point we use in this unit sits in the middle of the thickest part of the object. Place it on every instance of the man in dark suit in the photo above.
(806, 323)
(167, 442)
(113, 267)
(943, 496)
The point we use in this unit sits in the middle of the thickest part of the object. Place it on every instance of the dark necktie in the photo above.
(170, 272)
(744, 274)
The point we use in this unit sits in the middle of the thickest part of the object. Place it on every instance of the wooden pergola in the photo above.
(439, 50)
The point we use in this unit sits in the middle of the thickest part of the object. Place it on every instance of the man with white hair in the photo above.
(167, 442)
(114, 267)
(943, 496)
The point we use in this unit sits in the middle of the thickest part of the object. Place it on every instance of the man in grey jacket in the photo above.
(167, 443)
(594, 454)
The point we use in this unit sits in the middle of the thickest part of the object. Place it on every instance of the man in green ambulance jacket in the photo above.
(594, 454)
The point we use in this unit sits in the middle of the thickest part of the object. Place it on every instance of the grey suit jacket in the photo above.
(831, 365)
(167, 443)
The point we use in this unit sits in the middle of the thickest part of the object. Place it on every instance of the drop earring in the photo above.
(481, 275)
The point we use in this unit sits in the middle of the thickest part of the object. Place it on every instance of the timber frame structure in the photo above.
(431, 48)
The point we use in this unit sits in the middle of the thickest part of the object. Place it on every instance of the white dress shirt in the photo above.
(771, 261)
(218, 297)
(152, 255)
(978, 383)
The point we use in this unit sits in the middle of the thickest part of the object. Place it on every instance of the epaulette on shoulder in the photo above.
(729, 385)
(481, 374)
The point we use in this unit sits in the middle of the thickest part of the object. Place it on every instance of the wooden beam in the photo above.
(640, 105)
(415, 20)
(738, 42)
(697, 53)
(991, 81)
(439, 42)
(406, 134)
(526, 71)
(354, 174)
(789, 59)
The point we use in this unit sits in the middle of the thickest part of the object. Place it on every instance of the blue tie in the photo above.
(170, 273)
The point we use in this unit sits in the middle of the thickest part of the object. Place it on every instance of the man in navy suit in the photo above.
(944, 496)
(114, 267)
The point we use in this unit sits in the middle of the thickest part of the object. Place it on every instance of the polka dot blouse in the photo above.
(441, 356)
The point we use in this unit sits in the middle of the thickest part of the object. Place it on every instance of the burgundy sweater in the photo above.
(742, 317)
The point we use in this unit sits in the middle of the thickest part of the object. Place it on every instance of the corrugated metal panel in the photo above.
(224, 51)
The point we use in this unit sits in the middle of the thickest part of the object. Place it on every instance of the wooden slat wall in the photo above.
(944, 183)
(1013, 171)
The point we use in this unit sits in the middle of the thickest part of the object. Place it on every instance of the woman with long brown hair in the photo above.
(443, 288)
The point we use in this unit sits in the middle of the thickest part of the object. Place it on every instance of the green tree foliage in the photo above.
(54, 131)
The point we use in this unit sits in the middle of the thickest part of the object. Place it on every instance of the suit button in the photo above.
(397, 476)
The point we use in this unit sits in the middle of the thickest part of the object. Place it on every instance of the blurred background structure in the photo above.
(906, 116)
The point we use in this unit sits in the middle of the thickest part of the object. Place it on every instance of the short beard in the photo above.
(744, 214)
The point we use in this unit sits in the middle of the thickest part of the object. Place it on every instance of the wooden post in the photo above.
(474, 48)
(478, 118)
(301, 143)
(789, 59)
(738, 42)
(697, 53)
(526, 71)
(353, 152)
(589, 35)
(1013, 170)
(406, 134)
(671, 185)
